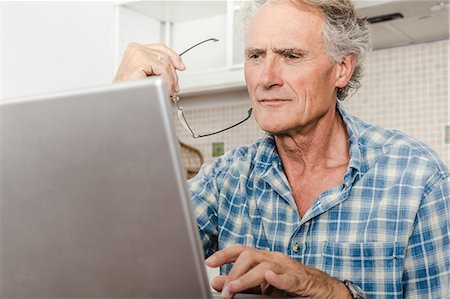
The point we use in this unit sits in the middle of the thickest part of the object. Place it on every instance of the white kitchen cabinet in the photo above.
(180, 24)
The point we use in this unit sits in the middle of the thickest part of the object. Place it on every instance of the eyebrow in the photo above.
(296, 51)
(253, 51)
(282, 51)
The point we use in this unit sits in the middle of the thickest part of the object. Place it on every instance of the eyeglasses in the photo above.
(180, 113)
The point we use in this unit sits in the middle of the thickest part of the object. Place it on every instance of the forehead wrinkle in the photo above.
(304, 29)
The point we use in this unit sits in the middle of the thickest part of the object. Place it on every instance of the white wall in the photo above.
(49, 46)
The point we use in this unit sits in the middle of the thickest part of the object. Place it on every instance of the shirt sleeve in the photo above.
(427, 260)
(205, 194)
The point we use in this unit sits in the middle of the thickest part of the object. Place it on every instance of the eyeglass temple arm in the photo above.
(197, 44)
(227, 128)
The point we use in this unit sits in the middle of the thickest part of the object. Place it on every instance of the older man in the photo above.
(324, 205)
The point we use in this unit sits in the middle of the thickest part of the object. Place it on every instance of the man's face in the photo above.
(290, 77)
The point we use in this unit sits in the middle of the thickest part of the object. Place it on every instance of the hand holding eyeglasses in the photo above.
(140, 61)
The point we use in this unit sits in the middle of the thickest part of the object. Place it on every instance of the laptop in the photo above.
(94, 202)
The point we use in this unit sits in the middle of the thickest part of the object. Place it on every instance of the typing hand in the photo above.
(271, 273)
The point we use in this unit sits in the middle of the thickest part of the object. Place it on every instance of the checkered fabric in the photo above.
(386, 228)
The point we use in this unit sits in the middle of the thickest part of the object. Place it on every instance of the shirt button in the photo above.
(296, 248)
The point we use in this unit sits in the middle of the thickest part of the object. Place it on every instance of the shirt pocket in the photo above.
(377, 267)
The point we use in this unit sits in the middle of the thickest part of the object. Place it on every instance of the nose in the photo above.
(270, 75)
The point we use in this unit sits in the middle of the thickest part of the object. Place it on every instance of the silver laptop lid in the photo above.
(93, 198)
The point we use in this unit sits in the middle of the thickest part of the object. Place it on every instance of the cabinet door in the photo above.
(208, 56)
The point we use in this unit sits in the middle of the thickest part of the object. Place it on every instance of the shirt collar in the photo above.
(364, 153)
(353, 131)
(267, 154)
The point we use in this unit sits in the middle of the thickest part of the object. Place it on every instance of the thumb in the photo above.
(177, 61)
(180, 65)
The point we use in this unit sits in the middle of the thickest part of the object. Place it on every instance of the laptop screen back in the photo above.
(93, 198)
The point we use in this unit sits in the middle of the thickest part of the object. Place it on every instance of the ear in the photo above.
(344, 70)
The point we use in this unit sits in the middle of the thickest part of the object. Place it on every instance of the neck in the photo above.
(321, 145)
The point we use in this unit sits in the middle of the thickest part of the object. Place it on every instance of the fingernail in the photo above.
(226, 292)
(211, 259)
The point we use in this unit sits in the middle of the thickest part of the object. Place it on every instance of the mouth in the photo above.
(273, 101)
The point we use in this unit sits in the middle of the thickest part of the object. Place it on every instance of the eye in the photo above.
(292, 56)
(254, 54)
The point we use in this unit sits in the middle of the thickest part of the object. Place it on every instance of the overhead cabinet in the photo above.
(181, 24)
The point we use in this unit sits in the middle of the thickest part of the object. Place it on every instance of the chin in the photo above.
(271, 123)
(272, 128)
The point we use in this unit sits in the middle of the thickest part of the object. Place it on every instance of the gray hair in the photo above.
(345, 33)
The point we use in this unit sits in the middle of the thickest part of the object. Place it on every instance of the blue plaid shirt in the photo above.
(386, 228)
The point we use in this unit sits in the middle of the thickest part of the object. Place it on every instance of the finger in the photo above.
(253, 278)
(161, 65)
(247, 260)
(173, 83)
(225, 256)
(176, 63)
(174, 57)
(169, 81)
(218, 282)
(176, 80)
